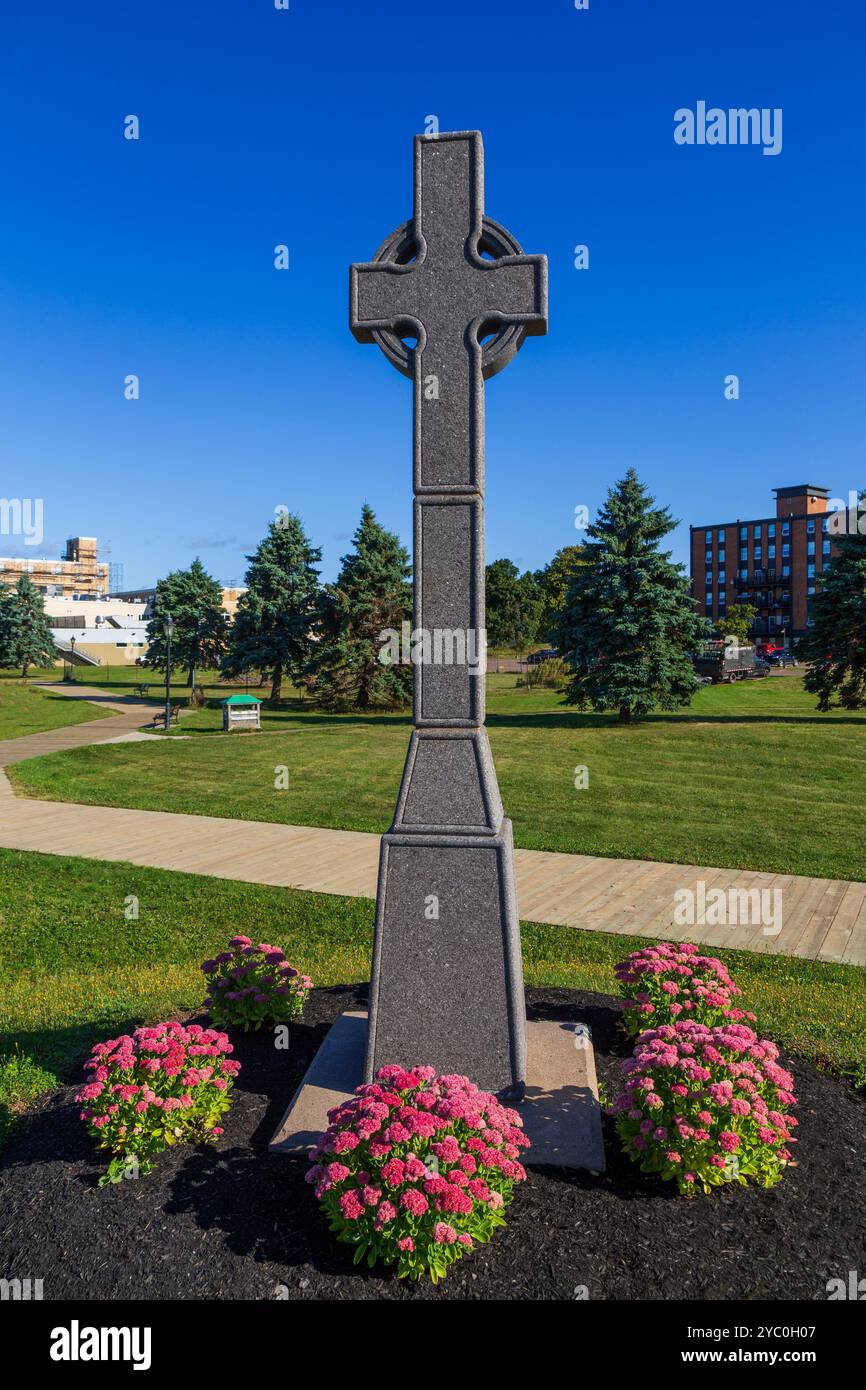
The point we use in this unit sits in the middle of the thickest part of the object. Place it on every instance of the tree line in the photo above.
(326, 639)
(288, 627)
(617, 608)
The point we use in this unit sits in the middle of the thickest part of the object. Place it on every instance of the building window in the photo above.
(786, 571)
(810, 526)
(721, 557)
(708, 557)
(757, 532)
(721, 576)
(786, 528)
(786, 550)
(810, 589)
(744, 575)
(708, 537)
(744, 554)
(771, 552)
(744, 532)
(810, 571)
(721, 535)
(810, 547)
(825, 548)
(771, 530)
(709, 579)
(721, 598)
(758, 554)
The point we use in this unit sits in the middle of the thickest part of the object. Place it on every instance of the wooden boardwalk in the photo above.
(822, 919)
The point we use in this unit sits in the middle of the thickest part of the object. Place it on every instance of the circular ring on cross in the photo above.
(504, 340)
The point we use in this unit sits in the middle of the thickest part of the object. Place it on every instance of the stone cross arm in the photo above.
(447, 283)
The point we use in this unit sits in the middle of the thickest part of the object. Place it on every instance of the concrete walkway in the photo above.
(127, 714)
(822, 919)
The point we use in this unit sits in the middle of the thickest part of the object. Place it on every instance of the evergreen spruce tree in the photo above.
(629, 624)
(193, 598)
(25, 634)
(7, 604)
(835, 644)
(372, 594)
(274, 627)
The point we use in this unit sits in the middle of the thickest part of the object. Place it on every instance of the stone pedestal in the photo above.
(560, 1112)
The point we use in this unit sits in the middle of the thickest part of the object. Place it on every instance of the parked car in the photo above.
(535, 658)
(780, 657)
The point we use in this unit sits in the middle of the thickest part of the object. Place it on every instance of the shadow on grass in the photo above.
(552, 720)
(275, 721)
(133, 701)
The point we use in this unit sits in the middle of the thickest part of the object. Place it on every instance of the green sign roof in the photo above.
(241, 700)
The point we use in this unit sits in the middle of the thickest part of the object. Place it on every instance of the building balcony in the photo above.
(763, 577)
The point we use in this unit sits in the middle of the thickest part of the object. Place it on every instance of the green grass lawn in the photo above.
(25, 709)
(751, 776)
(74, 970)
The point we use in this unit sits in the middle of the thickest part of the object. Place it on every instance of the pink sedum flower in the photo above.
(717, 1091)
(148, 1091)
(417, 1167)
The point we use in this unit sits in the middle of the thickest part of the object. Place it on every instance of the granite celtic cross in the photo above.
(447, 984)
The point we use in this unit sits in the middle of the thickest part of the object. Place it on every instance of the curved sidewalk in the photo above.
(127, 716)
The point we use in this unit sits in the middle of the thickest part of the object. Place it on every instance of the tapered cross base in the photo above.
(447, 986)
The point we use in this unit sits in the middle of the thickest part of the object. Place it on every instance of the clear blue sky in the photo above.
(261, 126)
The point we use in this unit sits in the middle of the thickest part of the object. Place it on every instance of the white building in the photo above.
(100, 631)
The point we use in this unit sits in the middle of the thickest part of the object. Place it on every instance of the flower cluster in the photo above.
(668, 982)
(705, 1106)
(415, 1168)
(250, 985)
(158, 1086)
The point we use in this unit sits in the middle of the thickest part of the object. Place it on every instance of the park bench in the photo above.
(159, 716)
(141, 689)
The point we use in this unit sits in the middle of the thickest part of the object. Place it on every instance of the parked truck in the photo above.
(720, 661)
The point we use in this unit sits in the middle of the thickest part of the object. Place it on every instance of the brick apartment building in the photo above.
(773, 562)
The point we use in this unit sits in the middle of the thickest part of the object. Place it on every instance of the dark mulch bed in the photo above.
(235, 1223)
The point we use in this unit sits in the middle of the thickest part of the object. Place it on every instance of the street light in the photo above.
(72, 659)
(168, 629)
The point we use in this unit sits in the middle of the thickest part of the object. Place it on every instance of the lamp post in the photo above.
(168, 629)
(72, 659)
